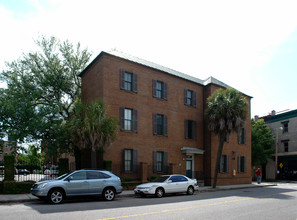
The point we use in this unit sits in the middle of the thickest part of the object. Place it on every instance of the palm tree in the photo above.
(90, 127)
(226, 112)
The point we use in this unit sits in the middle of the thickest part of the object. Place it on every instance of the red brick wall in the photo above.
(102, 80)
(211, 147)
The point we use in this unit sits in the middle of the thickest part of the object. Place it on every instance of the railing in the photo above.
(31, 172)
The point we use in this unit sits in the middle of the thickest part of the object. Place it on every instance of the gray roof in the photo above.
(191, 150)
(166, 70)
(116, 53)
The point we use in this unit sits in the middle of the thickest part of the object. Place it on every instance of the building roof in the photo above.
(280, 117)
(125, 56)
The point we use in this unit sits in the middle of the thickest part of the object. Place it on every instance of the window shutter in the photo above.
(186, 129)
(244, 159)
(165, 127)
(154, 88)
(185, 96)
(154, 123)
(194, 129)
(122, 118)
(154, 161)
(135, 120)
(194, 99)
(244, 135)
(135, 87)
(227, 164)
(222, 164)
(238, 163)
(165, 162)
(135, 164)
(123, 169)
(122, 79)
(165, 91)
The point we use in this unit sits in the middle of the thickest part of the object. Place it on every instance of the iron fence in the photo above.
(32, 172)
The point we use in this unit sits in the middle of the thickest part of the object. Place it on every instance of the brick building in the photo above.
(6, 147)
(162, 121)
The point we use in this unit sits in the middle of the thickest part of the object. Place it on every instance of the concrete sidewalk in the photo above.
(19, 198)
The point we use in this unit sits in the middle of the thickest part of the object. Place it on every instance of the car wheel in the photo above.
(108, 194)
(190, 190)
(159, 192)
(56, 196)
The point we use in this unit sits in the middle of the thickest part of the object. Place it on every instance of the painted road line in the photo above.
(192, 207)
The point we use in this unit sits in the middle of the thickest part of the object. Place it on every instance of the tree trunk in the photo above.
(93, 159)
(219, 155)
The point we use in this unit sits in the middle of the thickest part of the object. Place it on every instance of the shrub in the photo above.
(151, 178)
(9, 167)
(12, 187)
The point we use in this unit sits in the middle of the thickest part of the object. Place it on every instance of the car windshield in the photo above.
(161, 179)
(62, 176)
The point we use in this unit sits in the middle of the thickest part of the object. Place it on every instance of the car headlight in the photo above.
(41, 185)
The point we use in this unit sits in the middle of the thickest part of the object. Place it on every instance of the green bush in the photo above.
(63, 165)
(126, 179)
(151, 178)
(1, 187)
(9, 168)
(12, 187)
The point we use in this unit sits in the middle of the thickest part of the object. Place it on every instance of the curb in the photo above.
(30, 198)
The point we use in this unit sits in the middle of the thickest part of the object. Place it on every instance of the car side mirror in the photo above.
(169, 181)
(69, 178)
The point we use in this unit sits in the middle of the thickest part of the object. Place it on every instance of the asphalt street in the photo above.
(274, 202)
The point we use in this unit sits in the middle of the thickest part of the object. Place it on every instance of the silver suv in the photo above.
(79, 183)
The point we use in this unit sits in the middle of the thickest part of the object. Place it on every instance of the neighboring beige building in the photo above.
(284, 128)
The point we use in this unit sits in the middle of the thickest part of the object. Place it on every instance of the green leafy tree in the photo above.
(41, 89)
(226, 112)
(91, 127)
(262, 142)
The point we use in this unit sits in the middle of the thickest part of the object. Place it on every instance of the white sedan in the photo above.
(167, 184)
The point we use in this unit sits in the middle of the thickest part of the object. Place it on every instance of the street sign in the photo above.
(281, 165)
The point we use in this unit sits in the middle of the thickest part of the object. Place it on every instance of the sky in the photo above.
(249, 45)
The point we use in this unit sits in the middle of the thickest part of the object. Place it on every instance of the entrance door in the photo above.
(189, 168)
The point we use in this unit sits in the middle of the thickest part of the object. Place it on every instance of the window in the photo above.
(190, 129)
(224, 165)
(286, 146)
(286, 127)
(97, 175)
(190, 98)
(227, 138)
(175, 179)
(242, 136)
(160, 162)
(6, 144)
(241, 164)
(79, 176)
(160, 124)
(128, 81)
(159, 89)
(128, 119)
(130, 160)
